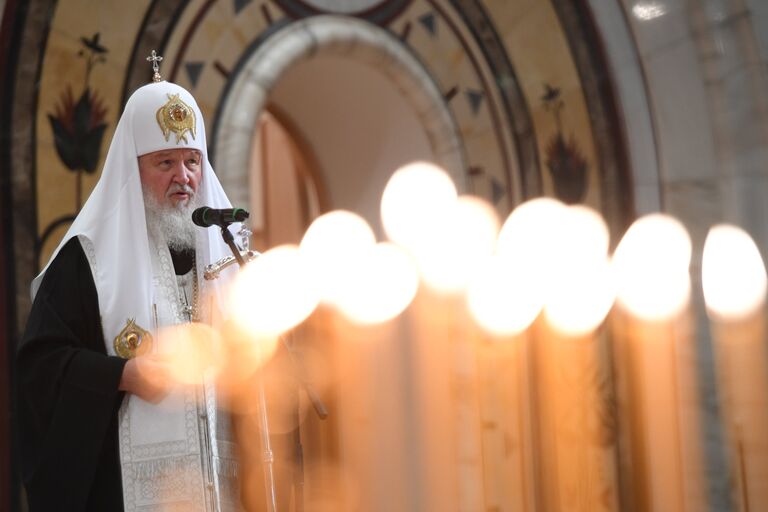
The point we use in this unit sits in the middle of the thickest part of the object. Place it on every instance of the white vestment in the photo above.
(176, 455)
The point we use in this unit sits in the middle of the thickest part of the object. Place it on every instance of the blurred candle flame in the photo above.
(453, 250)
(534, 222)
(244, 355)
(509, 291)
(532, 234)
(582, 291)
(733, 273)
(274, 293)
(584, 230)
(417, 199)
(192, 350)
(504, 297)
(382, 287)
(334, 245)
(651, 267)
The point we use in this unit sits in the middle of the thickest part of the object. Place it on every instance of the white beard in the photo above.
(173, 222)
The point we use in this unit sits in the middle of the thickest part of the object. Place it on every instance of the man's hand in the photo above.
(148, 377)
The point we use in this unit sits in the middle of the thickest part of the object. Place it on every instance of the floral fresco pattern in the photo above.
(78, 125)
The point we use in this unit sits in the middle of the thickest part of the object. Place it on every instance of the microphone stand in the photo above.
(317, 404)
(320, 409)
(266, 445)
(226, 234)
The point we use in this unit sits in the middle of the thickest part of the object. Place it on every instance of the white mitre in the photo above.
(113, 219)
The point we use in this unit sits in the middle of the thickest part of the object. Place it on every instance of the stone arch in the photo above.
(260, 69)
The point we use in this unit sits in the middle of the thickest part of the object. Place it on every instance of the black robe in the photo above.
(68, 395)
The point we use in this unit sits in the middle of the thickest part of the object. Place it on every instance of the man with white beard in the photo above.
(173, 220)
(103, 425)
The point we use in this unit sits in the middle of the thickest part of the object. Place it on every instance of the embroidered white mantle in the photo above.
(178, 454)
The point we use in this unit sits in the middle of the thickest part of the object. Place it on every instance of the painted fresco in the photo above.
(88, 45)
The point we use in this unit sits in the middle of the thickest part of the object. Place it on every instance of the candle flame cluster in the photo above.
(546, 257)
(546, 262)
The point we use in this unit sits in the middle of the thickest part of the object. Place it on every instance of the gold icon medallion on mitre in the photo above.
(132, 341)
(177, 117)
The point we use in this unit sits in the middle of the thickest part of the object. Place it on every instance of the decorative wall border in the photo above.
(607, 124)
(153, 34)
(518, 114)
(25, 30)
(380, 14)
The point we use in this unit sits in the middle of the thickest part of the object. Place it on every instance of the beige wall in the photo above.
(356, 124)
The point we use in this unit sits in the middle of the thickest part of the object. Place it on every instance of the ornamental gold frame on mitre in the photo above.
(177, 117)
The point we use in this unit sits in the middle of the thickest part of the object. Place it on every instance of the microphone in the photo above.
(206, 217)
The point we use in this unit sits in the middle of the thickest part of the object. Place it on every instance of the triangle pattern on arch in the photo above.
(497, 191)
(475, 99)
(193, 71)
(429, 22)
(240, 5)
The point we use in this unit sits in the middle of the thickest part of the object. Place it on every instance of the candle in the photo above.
(450, 238)
(734, 285)
(651, 327)
(505, 298)
(333, 249)
(576, 412)
(553, 258)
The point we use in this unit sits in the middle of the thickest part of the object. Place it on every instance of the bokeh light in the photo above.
(457, 245)
(580, 303)
(274, 293)
(192, 350)
(416, 199)
(651, 267)
(532, 236)
(581, 292)
(536, 224)
(584, 231)
(733, 273)
(334, 245)
(384, 286)
(244, 356)
(504, 297)
(509, 291)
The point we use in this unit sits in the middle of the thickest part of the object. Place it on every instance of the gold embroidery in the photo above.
(132, 341)
(177, 117)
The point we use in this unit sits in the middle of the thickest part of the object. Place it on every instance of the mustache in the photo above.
(176, 187)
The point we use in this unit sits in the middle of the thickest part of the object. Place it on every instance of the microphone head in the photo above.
(206, 217)
(198, 217)
(239, 215)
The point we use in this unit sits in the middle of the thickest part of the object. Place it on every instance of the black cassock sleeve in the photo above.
(68, 395)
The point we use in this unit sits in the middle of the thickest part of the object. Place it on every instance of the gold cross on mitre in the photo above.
(155, 59)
